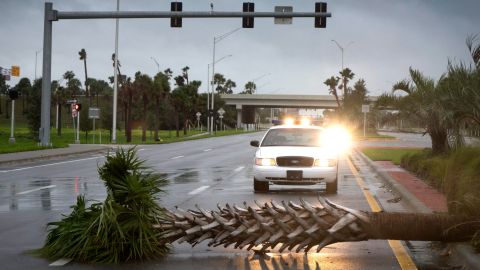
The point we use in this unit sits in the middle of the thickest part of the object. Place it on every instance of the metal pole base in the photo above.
(77, 141)
(11, 140)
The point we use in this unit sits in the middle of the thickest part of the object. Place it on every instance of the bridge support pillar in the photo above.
(239, 116)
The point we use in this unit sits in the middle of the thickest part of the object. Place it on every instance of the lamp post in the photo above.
(213, 90)
(215, 41)
(115, 81)
(156, 62)
(342, 49)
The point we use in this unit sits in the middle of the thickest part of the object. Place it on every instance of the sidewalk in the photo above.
(49, 153)
(422, 198)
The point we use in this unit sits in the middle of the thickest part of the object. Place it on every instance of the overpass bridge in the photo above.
(246, 104)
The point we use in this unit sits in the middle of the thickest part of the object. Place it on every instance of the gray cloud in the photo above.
(389, 36)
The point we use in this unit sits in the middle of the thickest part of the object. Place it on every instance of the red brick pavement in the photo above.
(432, 198)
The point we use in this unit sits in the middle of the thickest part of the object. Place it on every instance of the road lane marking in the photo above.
(207, 150)
(198, 190)
(404, 260)
(36, 189)
(60, 262)
(177, 157)
(239, 168)
(50, 164)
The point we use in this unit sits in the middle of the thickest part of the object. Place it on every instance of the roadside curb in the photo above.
(51, 153)
(410, 199)
(460, 251)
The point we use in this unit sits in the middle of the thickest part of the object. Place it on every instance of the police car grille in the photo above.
(295, 161)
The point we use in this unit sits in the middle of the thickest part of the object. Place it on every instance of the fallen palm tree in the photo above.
(130, 225)
(290, 226)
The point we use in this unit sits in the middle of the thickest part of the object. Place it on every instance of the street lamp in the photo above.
(115, 81)
(261, 77)
(156, 62)
(215, 41)
(36, 55)
(208, 88)
(342, 48)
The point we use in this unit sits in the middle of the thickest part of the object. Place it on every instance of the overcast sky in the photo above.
(388, 37)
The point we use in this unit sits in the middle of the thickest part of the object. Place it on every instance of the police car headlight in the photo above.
(323, 162)
(265, 162)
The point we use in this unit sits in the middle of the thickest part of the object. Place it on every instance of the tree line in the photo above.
(161, 101)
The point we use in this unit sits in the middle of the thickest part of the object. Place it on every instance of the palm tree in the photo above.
(424, 103)
(229, 85)
(219, 80)
(185, 74)
(143, 86)
(332, 83)
(346, 76)
(250, 88)
(83, 56)
(161, 88)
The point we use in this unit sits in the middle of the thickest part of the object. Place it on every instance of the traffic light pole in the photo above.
(12, 127)
(52, 15)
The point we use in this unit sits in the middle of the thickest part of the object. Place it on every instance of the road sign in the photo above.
(5, 72)
(71, 101)
(198, 114)
(365, 108)
(94, 113)
(221, 111)
(283, 20)
(15, 71)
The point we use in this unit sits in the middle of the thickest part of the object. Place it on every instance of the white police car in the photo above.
(297, 155)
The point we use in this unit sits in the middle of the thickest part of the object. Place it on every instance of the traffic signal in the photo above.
(320, 22)
(248, 21)
(77, 107)
(176, 21)
(13, 94)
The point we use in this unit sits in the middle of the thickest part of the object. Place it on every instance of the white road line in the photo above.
(45, 165)
(60, 262)
(177, 157)
(239, 168)
(36, 189)
(198, 190)
(207, 150)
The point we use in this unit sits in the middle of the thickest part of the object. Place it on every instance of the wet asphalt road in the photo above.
(203, 172)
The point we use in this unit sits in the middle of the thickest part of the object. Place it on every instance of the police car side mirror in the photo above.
(254, 143)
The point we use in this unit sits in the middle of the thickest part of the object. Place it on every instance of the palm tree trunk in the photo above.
(301, 227)
(157, 119)
(59, 130)
(439, 141)
(185, 126)
(129, 117)
(177, 124)
(87, 90)
(144, 125)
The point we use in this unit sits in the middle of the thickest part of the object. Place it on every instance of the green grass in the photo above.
(25, 142)
(391, 154)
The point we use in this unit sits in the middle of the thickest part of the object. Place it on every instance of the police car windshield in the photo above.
(292, 137)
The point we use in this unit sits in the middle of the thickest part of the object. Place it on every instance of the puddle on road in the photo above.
(48, 193)
(428, 255)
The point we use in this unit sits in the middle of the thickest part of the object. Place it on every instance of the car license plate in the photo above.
(294, 175)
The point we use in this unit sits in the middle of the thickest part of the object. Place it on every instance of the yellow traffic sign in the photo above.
(15, 71)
